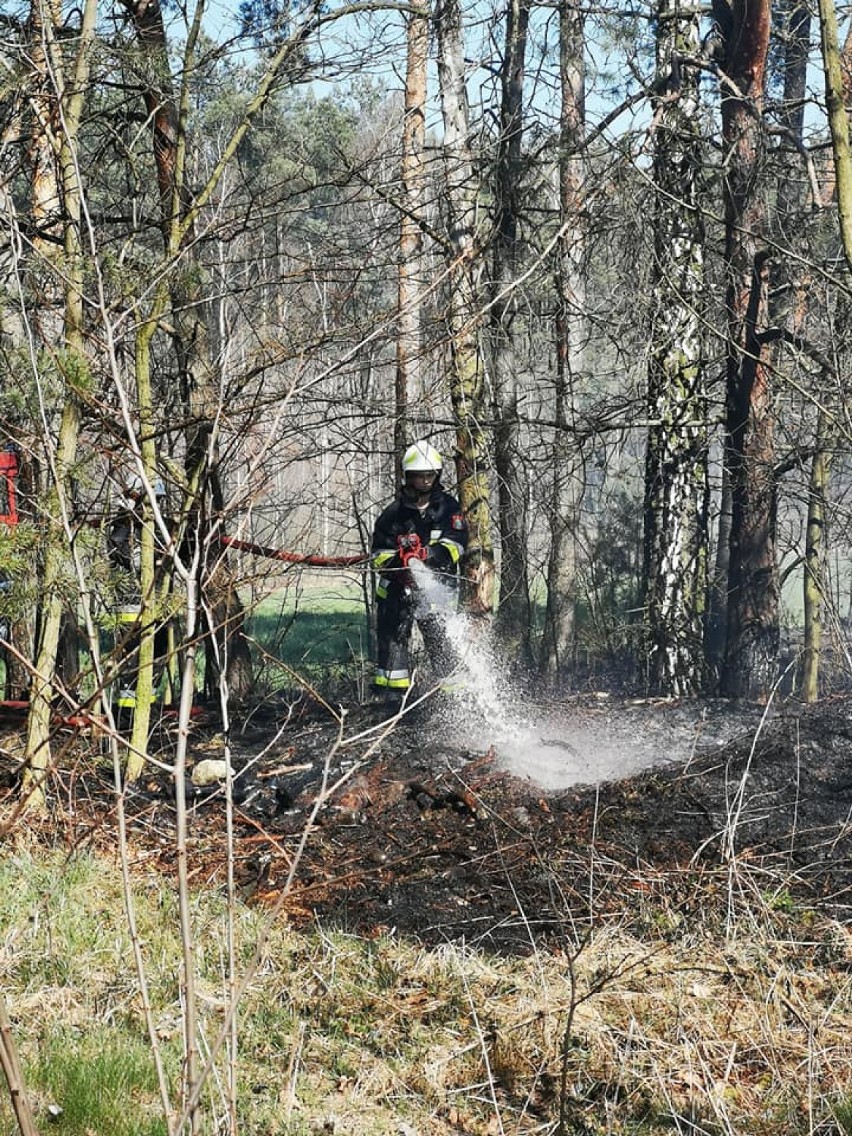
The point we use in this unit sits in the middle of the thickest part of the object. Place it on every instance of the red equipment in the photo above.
(292, 557)
(410, 548)
(8, 487)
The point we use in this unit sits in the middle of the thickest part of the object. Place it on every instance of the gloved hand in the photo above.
(437, 557)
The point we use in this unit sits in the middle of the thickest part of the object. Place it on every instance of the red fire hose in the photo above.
(311, 560)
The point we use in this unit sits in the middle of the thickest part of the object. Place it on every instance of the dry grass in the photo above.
(686, 1031)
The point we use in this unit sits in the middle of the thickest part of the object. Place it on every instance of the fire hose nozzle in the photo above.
(410, 548)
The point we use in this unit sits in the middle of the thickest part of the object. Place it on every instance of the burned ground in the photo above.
(442, 842)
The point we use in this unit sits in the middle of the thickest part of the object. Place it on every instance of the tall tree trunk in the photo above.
(70, 92)
(789, 304)
(149, 611)
(570, 330)
(675, 535)
(789, 299)
(408, 344)
(797, 45)
(838, 88)
(751, 656)
(192, 348)
(514, 615)
(838, 120)
(463, 318)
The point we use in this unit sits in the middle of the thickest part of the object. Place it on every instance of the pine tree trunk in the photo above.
(195, 369)
(514, 615)
(751, 657)
(789, 306)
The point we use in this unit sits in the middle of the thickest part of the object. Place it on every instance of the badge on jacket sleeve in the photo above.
(457, 522)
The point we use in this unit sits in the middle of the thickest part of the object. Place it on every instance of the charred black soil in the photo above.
(409, 829)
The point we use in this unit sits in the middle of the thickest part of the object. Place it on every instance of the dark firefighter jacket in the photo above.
(442, 529)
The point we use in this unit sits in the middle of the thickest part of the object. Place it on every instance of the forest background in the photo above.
(599, 256)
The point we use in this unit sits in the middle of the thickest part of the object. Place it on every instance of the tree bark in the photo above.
(70, 92)
(675, 534)
(191, 341)
(148, 607)
(838, 88)
(463, 318)
(751, 656)
(791, 280)
(409, 345)
(570, 331)
(514, 614)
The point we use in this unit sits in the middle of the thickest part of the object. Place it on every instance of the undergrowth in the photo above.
(617, 1035)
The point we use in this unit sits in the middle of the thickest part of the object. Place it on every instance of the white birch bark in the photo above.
(676, 456)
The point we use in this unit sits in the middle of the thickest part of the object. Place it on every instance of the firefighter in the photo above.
(425, 523)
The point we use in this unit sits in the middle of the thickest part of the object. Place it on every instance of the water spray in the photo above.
(482, 706)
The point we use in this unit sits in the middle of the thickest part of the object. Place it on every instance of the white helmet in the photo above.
(421, 457)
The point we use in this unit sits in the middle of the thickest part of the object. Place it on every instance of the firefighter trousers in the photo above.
(396, 615)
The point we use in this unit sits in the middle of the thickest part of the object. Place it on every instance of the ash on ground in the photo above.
(619, 809)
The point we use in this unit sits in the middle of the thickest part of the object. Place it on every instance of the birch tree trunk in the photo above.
(751, 656)
(675, 536)
(514, 615)
(570, 329)
(463, 317)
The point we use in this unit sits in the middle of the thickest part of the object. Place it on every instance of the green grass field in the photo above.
(317, 635)
(320, 634)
